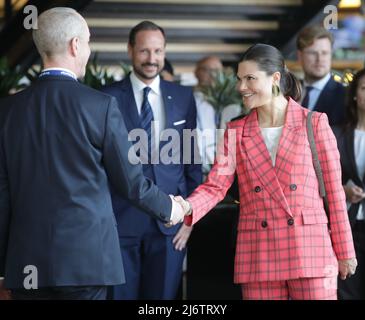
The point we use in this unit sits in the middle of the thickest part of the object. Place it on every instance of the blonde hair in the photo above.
(56, 28)
(308, 35)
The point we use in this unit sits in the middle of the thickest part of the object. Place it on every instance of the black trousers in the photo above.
(61, 293)
(353, 288)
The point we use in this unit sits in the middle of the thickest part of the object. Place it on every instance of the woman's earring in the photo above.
(275, 90)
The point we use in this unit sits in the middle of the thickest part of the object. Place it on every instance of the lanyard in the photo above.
(57, 73)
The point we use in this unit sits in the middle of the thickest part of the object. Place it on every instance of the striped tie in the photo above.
(147, 117)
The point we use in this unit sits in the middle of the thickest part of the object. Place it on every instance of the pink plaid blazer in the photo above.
(282, 229)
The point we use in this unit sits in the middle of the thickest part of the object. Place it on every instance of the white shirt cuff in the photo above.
(173, 208)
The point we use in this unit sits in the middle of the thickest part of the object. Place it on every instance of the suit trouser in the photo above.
(353, 288)
(61, 293)
(296, 289)
(152, 266)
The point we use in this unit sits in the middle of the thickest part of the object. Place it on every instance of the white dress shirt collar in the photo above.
(62, 69)
(139, 85)
(320, 84)
(155, 99)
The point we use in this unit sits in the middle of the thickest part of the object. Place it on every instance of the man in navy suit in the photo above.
(320, 91)
(61, 145)
(153, 254)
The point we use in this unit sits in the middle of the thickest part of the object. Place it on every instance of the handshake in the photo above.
(180, 209)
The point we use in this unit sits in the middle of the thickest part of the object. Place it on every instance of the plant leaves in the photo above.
(223, 90)
(9, 78)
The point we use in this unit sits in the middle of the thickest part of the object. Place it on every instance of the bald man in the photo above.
(205, 69)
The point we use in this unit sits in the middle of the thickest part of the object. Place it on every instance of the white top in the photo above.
(156, 101)
(209, 136)
(272, 137)
(359, 148)
(316, 91)
(205, 130)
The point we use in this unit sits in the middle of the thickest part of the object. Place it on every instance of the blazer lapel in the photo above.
(129, 106)
(291, 137)
(326, 91)
(260, 159)
(350, 162)
(350, 152)
(168, 101)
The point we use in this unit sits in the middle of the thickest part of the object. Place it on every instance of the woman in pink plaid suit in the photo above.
(284, 247)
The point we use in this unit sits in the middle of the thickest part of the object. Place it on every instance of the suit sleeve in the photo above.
(220, 178)
(329, 158)
(192, 170)
(4, 210)
(125, 171)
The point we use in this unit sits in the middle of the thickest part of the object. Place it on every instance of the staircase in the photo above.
(194, 28)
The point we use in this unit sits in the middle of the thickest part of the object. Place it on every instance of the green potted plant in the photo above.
(96, 76)
(223, 92)
(9, 78)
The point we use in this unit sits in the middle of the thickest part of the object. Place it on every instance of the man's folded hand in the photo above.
(347, 267)
(4, 293)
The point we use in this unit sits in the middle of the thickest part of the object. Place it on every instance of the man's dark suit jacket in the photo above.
(332, 102)
(345, 144)
(173, 178)
(61, 145)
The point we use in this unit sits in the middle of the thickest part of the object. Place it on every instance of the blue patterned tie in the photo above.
(305, 102)
(147, 117)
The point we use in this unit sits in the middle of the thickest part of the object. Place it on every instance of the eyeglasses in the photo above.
(317, 54)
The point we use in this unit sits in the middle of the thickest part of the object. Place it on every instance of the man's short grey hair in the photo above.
(56, 28)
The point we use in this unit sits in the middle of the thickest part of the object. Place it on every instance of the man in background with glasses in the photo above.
(320, 91)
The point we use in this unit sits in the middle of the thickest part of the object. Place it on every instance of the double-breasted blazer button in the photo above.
(257, 189)
(264, 223)
(290, 221)
(293, 187)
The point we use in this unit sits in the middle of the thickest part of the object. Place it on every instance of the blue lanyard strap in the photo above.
(57, 73)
